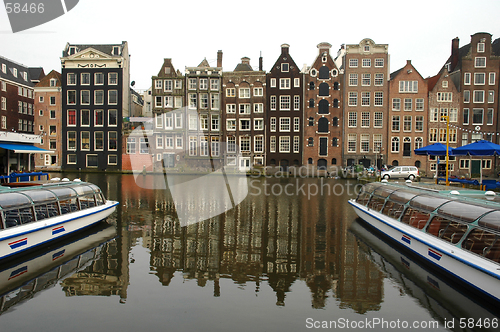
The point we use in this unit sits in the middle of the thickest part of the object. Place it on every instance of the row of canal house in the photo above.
(343, 109)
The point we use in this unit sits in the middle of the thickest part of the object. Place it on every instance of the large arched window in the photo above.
(334, 161)
(322, 164)
(323, 107)
(324, 73)
(324, 89)
(323, 125)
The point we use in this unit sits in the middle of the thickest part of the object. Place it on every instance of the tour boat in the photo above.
(456, 230)
(32, 216)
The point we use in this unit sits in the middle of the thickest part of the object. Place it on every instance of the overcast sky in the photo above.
(189, 31)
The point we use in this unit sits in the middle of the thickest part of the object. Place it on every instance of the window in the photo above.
(204, 100)
(284, 83)
(85, 97)
(272, 144)
(244, 144)
(85, 140)
(98, 79)
(352, 121)
(395, 123)
(71, 97)
(364, 143)
(85, 79)
(379, 80)
(366, 63)
(407, 123)
(296, 103)
(273, 82)
(480, 47)
(466, 116)
(351, 142)
(215, 146)
(258, 124)
(378, 99)
(296, 82)
(98, 118)
(353, 99)
(72, 140)
(419, 123)
(230, 108)
(214, 84)
(353, 63)
(178, 120)
(112, 141)
(112, 97)
(230, 92)
(296, 124)
(4, 104)
(178, 101)
(244, 109)
(168, 101)
(272, 102)
(377, 143)
(491, 96)
(396, 104)
(353, 79)
(284, 103)
(99, 97)
(193, 145)
(408, 86)
(258, 146)
(284, 124)
(479, 78)
(4, 122)
(158, 101)
(467, 77)
(92, 160)
(478, 96)
(113, 78)
(273, 124)
(395, 145)
(215, 122)
(366, 79)
(192, 100)
(258, 108)
(489, 116)
(131, 148)
(245, 124)
(71, 117)
(477, 116)
(193, 122)
(231, 144)
(296, 144)
(378, 119)
(284, 144)
(98, 141)
(408, 104)
(480, 62)
(244, 92)
(365, 119)
(285, 67)
(192, 83)
(258, 92)
(491, 80)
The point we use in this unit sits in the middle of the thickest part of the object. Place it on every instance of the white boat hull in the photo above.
(477, 272)
(16, 240)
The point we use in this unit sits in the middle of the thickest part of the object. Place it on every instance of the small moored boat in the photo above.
(457, 231)
(31, 216)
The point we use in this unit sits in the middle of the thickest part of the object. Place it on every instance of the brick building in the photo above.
(322, 128)
(48, 120)
(366, 95)
(284, 119)
(244, 108)
(408, 94)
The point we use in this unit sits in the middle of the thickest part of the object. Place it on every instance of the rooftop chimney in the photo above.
(219, 58)
(454, 53)
(284, 48)
(245, 60)
(260, 62)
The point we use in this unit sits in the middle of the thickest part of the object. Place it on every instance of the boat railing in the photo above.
(24, 177)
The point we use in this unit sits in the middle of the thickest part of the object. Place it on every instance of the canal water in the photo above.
(292, 256)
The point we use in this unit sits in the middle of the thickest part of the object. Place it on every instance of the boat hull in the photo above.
(17, 240)
(475, 271)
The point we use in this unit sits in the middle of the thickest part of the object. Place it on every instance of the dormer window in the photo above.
(285, 67)
(14, 72)
(367, 48)
(116, 50)
(445, 84)
(72, 50)
(25, 76)
(4, 68)
(53, 82)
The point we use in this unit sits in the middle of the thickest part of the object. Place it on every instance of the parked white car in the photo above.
(397, 172)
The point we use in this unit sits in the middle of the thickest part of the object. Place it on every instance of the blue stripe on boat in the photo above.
(406, 239)
(58, 230)
(18, 272)
(434, 254)
(18, 243)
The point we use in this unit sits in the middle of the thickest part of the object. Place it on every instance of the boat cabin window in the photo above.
(98, 194)
(446, 229)
(415, 218)
(67, 199)
(491, 220)
(363, 197)
(44, 211)
(384, 191)
(427, 202)
(484, 243)
(376, 203)
(8, 200)
(393, 209)
(402, 196)
(87, 201)
(18, 216)
(462, 211)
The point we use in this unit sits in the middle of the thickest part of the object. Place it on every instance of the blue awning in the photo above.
(23, 148)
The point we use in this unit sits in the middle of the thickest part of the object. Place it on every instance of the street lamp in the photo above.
(447, 117)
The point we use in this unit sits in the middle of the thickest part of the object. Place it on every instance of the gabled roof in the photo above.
(243, 67)
(204, 63)
(45, 82)
(104, 48)
(431, 81)
(21, 69)
(495, 47)
(36, 74)
(396, 73)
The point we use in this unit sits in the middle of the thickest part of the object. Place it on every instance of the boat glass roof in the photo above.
(402, 195)
(8, 200)
(40, 195)
(491, 220)
(384, 191)
(427, 202)
(462, 211)
(63, 192)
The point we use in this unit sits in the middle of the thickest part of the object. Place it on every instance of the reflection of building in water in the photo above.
(275, 237)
